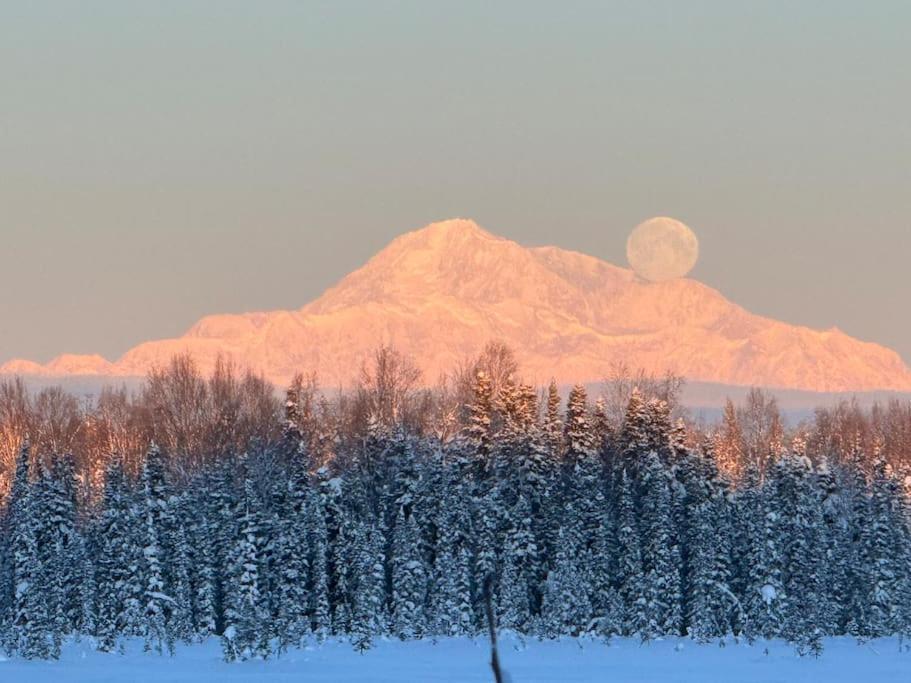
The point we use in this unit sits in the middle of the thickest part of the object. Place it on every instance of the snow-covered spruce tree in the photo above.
(509, 409)
(856, 602)
(800, 524)
(678, 440)
(80, 595)
(583, 492)
(157, 604)
(729, 444)
(764, 600)
(886, 552)
(689, 491)
(835, 542)
(178, 568)
(537, 469)
(579, 437)
(629, 567)
(318, 582)
(633, 442)
(903, 539)
(50, 529)
(409, 578)
(292, 621)
(745, 519)
(368, 619)
(451, 608)
(339, 543)
(201, 533)
(660, 430)
(299, 418)
(119, 593)
(712, 605)
(566, 609)
(65, 562)
(15, 499)
(486, 510)
(486, 522)
(411, 536)
(519, 558)
(581, 461)
(451, 603)
(521, 489)
(270, 503)
(246, 634)
(601, 426)
(478, 432)
(660, 553)
(31, 629)
(602, 570)
(220, 505)
(552, 429)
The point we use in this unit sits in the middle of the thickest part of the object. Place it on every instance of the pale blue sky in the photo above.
(164, 160)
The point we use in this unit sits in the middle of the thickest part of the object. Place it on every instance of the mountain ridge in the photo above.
(440, 292)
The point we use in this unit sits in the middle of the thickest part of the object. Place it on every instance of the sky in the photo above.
(162, 161)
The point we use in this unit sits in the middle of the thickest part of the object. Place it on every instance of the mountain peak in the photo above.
(461, 226)
(74, 364)
(450, 236)
(441, 292)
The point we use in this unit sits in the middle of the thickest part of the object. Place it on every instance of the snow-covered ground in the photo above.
(462, 660)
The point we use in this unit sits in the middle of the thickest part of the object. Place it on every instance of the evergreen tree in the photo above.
(601, 426)
(835, 541)
(567, 609)
(65, 561)
(800, 522)
(246, 632)
(157, 603)
(479, 430)
(764, 600)
(451, 608)
(486, 523)
(712, 605)
(31, 631)
(369, 615)
(553, 426)
(409, 578)
(119, 592)
(178, 570)
(660, 554)
(629, 568)
(292, 620)
(338, 545)
(519, 569)
(634, 439)
(729, 449)
(885, 553)
(602, 571)
(857, 616)
(318, 583)
(201, 534)
(579, 436)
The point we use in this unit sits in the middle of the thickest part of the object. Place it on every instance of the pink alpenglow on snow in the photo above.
(439, 293)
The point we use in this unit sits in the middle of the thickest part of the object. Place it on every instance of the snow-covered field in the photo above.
(462, 660)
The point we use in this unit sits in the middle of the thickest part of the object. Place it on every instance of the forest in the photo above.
(205, 506)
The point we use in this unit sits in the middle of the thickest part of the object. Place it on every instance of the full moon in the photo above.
(662, 249)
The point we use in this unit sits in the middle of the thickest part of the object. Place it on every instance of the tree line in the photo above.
(385, 512)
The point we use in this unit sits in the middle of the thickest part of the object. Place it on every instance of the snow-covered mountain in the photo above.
(441, 292)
